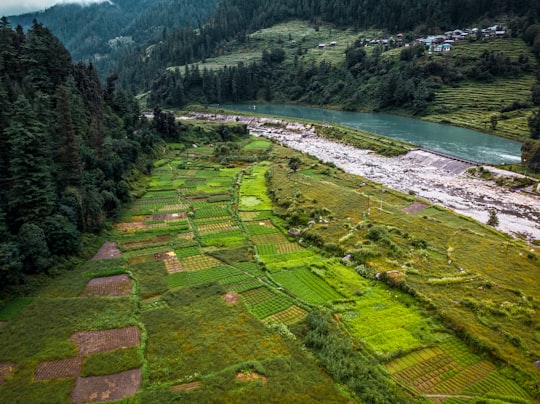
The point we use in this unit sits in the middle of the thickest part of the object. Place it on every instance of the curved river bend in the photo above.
(459, 142)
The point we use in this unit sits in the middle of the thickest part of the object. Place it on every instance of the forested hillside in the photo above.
(234, 19)
(68, 148)
(101, 32)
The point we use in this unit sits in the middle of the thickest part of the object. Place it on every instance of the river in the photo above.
(459, 142)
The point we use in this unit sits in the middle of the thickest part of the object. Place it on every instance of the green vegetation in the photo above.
(235, 283)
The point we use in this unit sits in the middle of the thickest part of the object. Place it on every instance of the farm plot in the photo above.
(248, 216)
(202, 276)
(145, 243)
(224, 239)
(90, 342)
(307, 286)
(117, 285)
(258, 144)
(451, 369)
(256, 296)
(243, 286)
(261, 227)
(474, 112)
(270, 306)
(151, 206)
(107, 388)
(108, 250)
(288, 316)
(199, 262)
(296, 259)
(216, 227)
(384, 322)
(252, 194)
(59, 369)
(213, 211)
(249, 267)
(200, 328)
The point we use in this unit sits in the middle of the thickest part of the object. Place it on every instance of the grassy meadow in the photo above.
(241, 293)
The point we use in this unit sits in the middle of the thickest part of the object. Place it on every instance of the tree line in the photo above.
(235, 19)
(69, 147)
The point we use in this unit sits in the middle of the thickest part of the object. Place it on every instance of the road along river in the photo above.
(430, 176)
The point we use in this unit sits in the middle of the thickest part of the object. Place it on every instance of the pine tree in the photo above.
(31, 196)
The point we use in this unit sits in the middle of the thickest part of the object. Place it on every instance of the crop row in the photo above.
(306, 286)
(494, 383)
(248, 216)
(235, 279)
(211, 212)
(227, 238)
(216, 227)
(270, 306)
(412, 359)
(261, 228)
(266, 249)
(244, 286)
(288, 316)
(199, 262)
(187, 252)
(181, 279)
(256, 296)
(249, 267)
(464, 378)
(274, 238)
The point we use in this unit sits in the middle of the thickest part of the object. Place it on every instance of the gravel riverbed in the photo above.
(438, 179)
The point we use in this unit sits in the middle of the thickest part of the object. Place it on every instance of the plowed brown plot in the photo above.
(89, 342)
(186, 386)
(5, 369)
(107, 388)
(118, 285)
(59, 369)
(415, 207)
(108, 250)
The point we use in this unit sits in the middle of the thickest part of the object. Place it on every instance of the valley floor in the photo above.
(435, 178)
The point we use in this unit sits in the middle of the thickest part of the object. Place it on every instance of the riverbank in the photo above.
(429, 176)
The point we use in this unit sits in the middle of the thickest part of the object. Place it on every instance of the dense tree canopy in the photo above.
(67, 147)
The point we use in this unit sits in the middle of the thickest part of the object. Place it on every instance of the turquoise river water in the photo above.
(459, 142)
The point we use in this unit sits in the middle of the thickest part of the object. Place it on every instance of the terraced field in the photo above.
(214, 287)
(472, 104)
